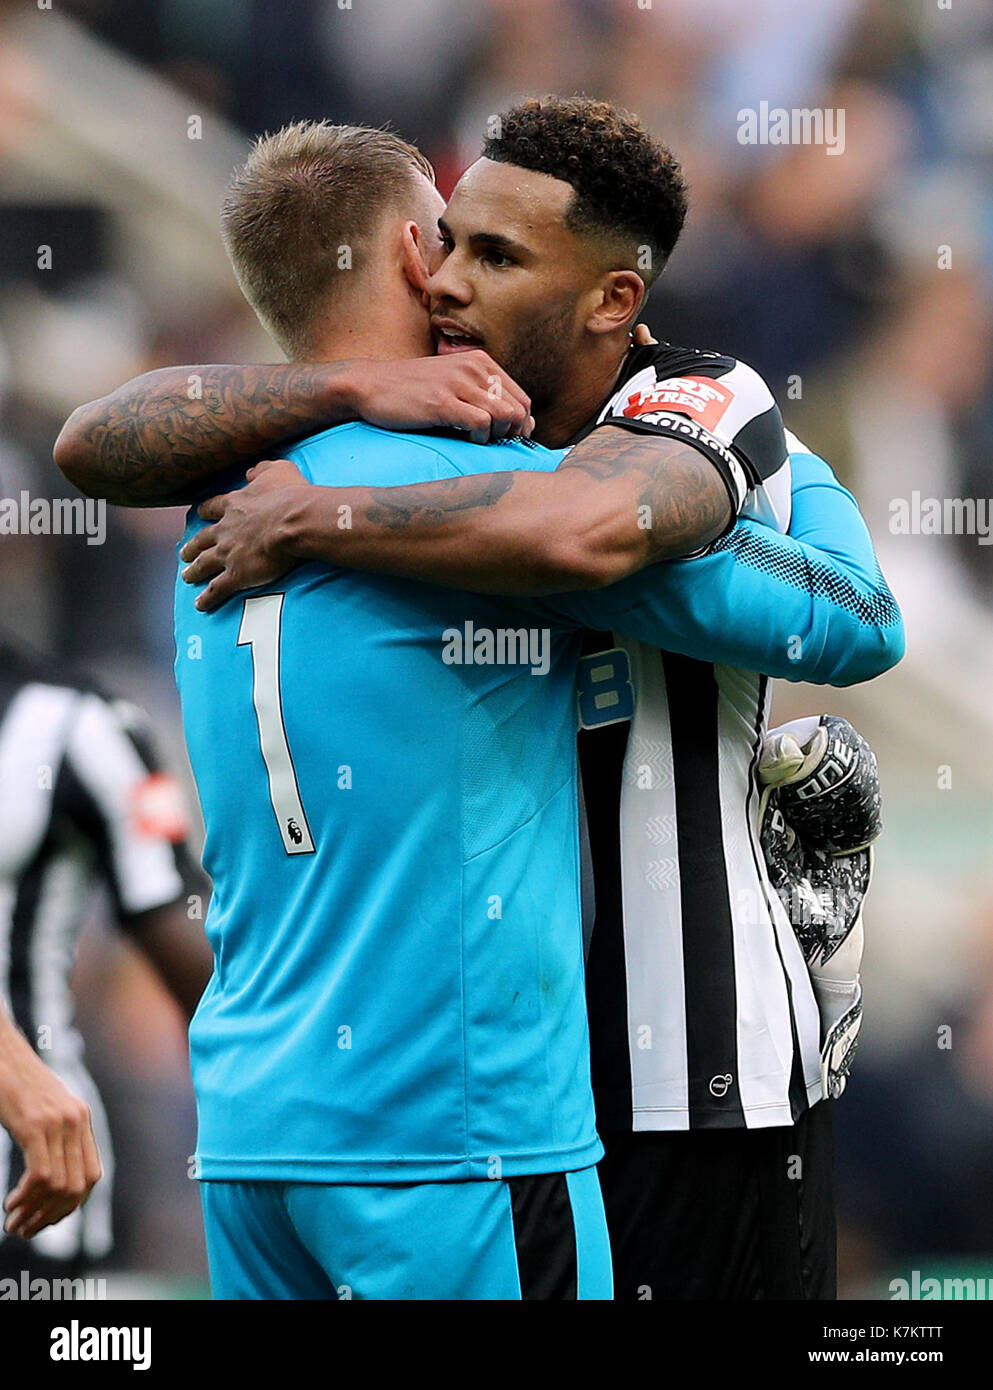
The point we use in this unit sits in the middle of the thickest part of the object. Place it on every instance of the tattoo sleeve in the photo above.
(618, 502)
(158, 439)
(681, 502)
(396, 508)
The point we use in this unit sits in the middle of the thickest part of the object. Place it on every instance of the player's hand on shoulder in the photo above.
(53, 1129)
(463, 391)
(245, 547)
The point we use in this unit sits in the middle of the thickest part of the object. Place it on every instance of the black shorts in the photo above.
(723, 1214)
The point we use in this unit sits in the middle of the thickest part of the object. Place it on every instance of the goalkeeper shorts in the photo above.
(534, 1237)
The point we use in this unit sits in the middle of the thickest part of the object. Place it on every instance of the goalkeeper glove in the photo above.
(818, 816)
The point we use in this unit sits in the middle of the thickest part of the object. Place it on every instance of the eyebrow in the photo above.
(488, 239)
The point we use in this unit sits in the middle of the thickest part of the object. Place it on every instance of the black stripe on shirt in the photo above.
(75, 800)
(714, 1095)
(761, 445)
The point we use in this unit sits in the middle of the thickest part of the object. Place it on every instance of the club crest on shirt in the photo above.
(700, 397)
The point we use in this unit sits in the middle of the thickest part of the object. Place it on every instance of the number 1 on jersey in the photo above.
(260, 629)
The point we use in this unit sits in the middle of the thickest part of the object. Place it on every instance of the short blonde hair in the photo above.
(303, 198)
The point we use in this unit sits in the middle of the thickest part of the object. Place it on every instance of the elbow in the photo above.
(72, 455)
(881, 642)
(857, 645)
(592, 552)
(893, 647)
(876, 650)
(883, 648)
(579, 563)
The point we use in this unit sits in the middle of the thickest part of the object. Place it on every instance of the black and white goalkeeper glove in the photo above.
(818, 817)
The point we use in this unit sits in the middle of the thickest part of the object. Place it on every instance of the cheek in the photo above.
(509, 307)
(555, 317)
(434, 258)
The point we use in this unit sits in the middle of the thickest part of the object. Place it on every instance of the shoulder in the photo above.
(442, 452)
(370, 445)
(706, 386)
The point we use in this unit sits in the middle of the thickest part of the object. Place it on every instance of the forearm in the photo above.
(19, 1070)
(488, 532)
(158, 439)
(808, 606)
(617, 503)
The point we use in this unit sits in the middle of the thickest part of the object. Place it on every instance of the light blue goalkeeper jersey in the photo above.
(387, 772)
(392, 838)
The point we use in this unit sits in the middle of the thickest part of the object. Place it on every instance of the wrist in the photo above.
(18, 1064)
(298, 527)
(346, 389)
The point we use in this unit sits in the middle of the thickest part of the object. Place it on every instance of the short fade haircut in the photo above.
(628, 185)
(302, 195)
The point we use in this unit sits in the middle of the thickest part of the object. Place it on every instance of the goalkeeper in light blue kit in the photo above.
(394, 1038)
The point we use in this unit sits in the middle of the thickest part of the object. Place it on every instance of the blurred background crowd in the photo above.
(860, 284)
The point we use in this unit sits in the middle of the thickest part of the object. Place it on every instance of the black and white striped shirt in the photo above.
(702, 1014)
(82, 803)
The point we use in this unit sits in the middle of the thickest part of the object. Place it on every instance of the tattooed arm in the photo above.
(157, 440)
(619, 501)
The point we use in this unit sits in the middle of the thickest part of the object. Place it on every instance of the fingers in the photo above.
(92, 1167)
(48, 1212)
(488, 417)
(217, 592)
(30, 1194)
(275, 473)
(488, 387)
(40, 1211)
(202, 541)
(508, 418)
(215, 507)
(476, 421)
(643, 336)
(500, 382)
(61, 1167)
(208, 563)
(75, 1176)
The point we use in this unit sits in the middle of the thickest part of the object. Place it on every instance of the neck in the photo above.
(373, 330)
(587, 385)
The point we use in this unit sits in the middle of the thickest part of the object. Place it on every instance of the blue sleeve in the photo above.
(810, 606)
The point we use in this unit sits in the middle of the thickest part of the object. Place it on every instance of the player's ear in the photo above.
(412, 251)
(618, 302)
